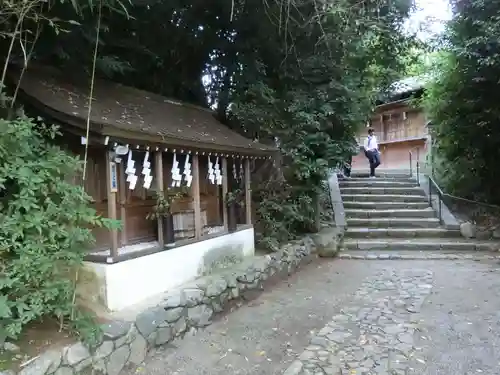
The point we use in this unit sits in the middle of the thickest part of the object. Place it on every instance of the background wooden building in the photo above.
(400, 127)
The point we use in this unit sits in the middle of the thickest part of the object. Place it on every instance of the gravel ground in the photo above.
(458, 330)
(460, 321)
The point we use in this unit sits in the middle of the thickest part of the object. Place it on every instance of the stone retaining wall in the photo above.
(182, 313)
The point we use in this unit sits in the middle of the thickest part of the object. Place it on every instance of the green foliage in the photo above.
(462, 104)
(283, 212)
(311, 84)
(45, 228)
(234, 197)
(164, 202)
(304, 73)
(420, 61)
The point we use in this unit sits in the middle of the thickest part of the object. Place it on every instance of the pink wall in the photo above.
(393, 155)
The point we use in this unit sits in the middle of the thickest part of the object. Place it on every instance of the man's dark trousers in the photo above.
(374, 159)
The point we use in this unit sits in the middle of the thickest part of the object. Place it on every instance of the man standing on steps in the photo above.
(371, 152)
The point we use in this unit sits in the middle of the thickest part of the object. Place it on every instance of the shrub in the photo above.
(462, 104)
(45, 223)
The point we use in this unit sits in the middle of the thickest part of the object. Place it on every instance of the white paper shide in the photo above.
(235, 172)
(146, 171)
(211, 172)
(176, 173)
(130, 172)
(188, 177)
(217, 172)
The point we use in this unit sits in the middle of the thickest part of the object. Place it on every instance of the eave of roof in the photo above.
(404, 89)
(219, 138)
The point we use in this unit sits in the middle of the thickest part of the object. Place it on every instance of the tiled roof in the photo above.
(407, 85)
(134, 110)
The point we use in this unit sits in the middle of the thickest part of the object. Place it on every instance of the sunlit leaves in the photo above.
(462, 104)
(317, 87)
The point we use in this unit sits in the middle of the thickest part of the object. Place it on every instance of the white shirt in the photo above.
(371, 143)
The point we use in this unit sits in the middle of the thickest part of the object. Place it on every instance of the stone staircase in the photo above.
(392, 213)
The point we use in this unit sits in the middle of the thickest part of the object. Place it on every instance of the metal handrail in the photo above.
(440, 191)
(441, 195)
(410, 153)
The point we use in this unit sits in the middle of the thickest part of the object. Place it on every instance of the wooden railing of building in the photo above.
(400, 127)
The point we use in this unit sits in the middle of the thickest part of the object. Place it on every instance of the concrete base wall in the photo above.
(121, 285)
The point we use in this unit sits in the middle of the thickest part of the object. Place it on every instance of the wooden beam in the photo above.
(195, 189)
(112, 190)
(160, 188)
(225, 177)
(122, 188)
(396, 111)
(248, 193)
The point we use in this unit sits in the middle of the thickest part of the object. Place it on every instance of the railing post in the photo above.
(411, 166)
(418, 173)
(440, 213)
(432, 157)
(418, 165)
(430, 191)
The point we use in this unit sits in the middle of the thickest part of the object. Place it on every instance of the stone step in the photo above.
(393, 222)
(419, 255)
(382, 169)
(380, 174)
(377, 179)
(383, 198)
(384, 205)
(375, 213)
(420, 244)
(367, 182)
(406, 233)
(372, 190)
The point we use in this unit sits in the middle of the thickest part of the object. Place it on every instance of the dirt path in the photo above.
(264, 336)
(269, 335)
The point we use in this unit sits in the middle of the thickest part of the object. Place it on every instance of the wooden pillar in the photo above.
(225, 177)
(122, 188)
(248, 193)
(112, 189)
(196, 198)
(160, 189)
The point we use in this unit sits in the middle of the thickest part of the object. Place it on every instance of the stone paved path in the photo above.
(374, 333)
(355, 317)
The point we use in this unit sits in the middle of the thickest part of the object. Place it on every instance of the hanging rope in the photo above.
(91, 93)
(73, 310)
